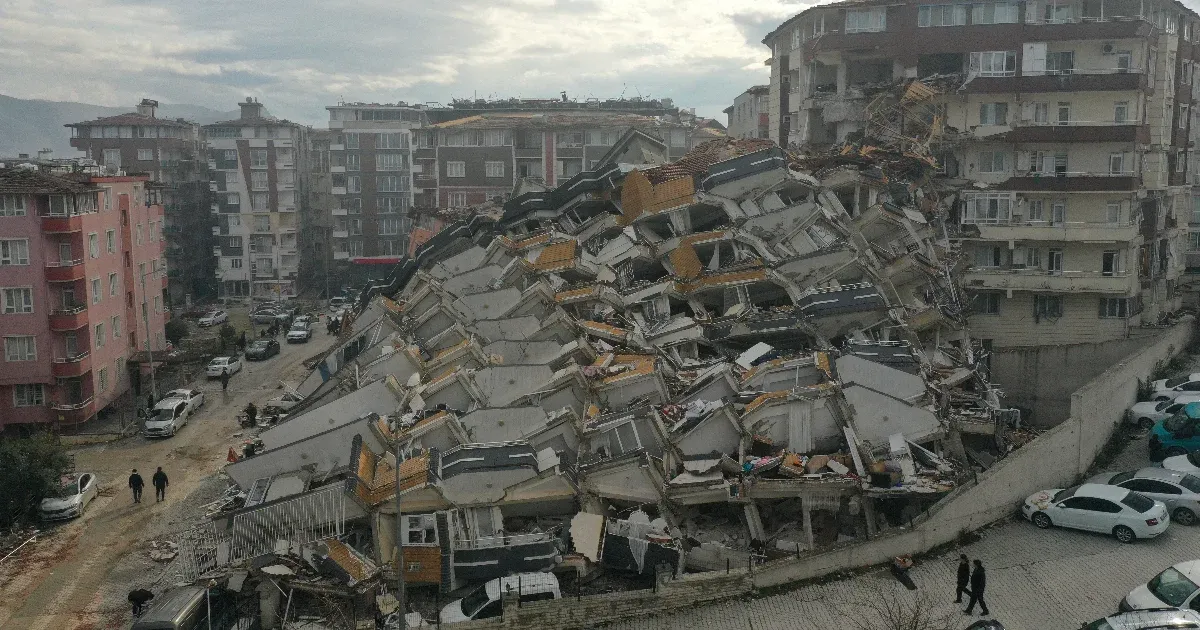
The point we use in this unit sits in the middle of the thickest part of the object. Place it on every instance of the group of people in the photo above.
(159, 479)
(977, 579)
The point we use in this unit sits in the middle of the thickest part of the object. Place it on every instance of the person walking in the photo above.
(160, 485)
(251, 412)
(224, 379)
(964, 576)
(978, 585)
(138, 599)
(136, 484)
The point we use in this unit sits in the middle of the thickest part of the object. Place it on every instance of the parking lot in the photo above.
(1037, 579)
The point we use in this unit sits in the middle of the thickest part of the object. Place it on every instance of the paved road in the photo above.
(1037, 580)
(55, 585)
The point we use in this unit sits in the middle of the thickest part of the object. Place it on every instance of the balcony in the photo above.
(341, 255)
(216, 230)
(62, 224)
(1076, 131)
(212, 165)
(1076, 81)
(340, 212)
(1071, 182)
(337, 147)
(337, 169)
(65, 271)
(1042, 281)
(287, 209)
(283, 142)
(1071, 231)
(71, 411)
(212, 186)
(341, 234)
(68, 367)
(268, 273)
(68, 318)
(338, 190)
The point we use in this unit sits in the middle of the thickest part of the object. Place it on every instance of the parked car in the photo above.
(189, 608)
(1189, 463)
(261, 349)
(283, 403)
(221, 364)
(306, 319)
(1164, 384)
(1153, 619)
(193, 397)
(73, 496)
(1175, 587)
(299, 333)
(336, 303)
(1145, 414)
(484, 602)
(986, 624)
(1100, 508)
(213, 318)
(1177, 435)
(168, 418)
(1180, 492)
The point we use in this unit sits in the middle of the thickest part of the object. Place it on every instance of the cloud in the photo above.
(297, 56)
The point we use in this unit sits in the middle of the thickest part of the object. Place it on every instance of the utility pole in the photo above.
(399, 547)
(146, 322)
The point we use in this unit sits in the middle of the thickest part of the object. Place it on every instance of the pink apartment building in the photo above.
(74, 251)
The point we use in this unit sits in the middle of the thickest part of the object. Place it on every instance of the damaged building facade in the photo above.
(1064, 132)
(655, 366)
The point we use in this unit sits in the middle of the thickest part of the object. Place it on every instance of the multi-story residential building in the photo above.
(81, 290)
(1063, 128)
(259, 166)
(749, 116)
(316, 218)
(170, 152)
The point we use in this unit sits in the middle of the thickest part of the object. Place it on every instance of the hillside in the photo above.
(28, 125)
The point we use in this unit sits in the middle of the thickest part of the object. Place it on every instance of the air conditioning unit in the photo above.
(1107, 48)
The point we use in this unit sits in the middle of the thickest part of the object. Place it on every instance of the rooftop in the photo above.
(506, 120)
(19, 180)
(133, 118)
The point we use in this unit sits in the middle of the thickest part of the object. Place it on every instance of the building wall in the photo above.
(36, 323)
(750, 117)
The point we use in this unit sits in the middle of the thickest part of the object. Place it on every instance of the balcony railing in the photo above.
(1036, 279)
(72, 359)
(65, 271)
(72, 406)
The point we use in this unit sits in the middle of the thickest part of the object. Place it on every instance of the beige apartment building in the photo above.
(1064, 135)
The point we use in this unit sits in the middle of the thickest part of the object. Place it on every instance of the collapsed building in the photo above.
(736, 356)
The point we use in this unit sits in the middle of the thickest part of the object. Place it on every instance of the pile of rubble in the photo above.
(738, 356)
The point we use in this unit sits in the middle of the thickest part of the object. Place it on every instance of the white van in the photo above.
(484, 602)
(168, 417)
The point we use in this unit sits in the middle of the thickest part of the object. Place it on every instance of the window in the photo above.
(941, 15)
(987, 208)
(420, 529)
(33, 395)
(569, 139)
(96, 293)
(20, 348)
(352, 141)
(389, 183)
(353, 162)
(112, 284)
(1060, 62)
(231, 177)
(145, 155)
(1183, 116)
(14, 251)
(1116, 163)
(93, 245)
(1112, 263)
(390, 162)
(233, 199)
(425, 140)
(493, 169)
(262, 223)
(259, 201)
(1124, 61)
(992, 161)
(1064, 113)
(866, 20)
(391, 204)
(1047, 306)
(994, 13)
(258, 180)
(111, 241)
(116, 326)
(17, 300)
(389, 227)
(234, 242)
(1113, 212)
(112, 157)
(1041, 113)
(1121, 111)
(391, 141)
(258, 158)
(989, 257)
(140, 234)
(1114, 307)
(230, 155)
(987, 303)
(235, 263)
(12, 206)
(354, 183)
(1054, 261)
(993, 113)
(456, 169)
(995, 63)
(102, 379)
(458, 200)
(355, 227)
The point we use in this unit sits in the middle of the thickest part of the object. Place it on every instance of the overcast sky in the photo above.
(297, 56)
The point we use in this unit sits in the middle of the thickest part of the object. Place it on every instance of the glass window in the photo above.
(14, 251)
(994, 13)
(96, 293)
(17, 300)
(456, 169)
(987, 303)
(993, 113)
(942, 15)
(258, 158)
(390, 161)
(996, 63)
(351, 141)
(992, 161)
(230, 155)
(391, 141)
(31, 395)
(259, 201)
(20, 348)
(493, 169)
(1047, 305)
(258, 180)
(145, 155)
(866, 20)
(354, 183)
(12, 205)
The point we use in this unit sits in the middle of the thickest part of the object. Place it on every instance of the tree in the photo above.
(227, 336)
(886, 605)
(176, 330)
(31, 469)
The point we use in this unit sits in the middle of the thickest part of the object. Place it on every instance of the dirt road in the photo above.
(57, 584)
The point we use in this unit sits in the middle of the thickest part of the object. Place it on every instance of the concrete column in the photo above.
(806, 510)
(841, 78)
(268, 604)
(869, 514)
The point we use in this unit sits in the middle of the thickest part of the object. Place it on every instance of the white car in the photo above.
(1180, 492)
(300, 332)
(74, 494)
(193, 397)
(1100, 508)
(214, 318)
(1176, 587)
(1189, 463)
(169, 416)
(484, 601)
(1145, 414)
(283, 403)
(233, 365)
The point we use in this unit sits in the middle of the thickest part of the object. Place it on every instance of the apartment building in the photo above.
(750, 116)
(371, 161)
(81, 290)
(259, 167)
(170, 152)
(1063, 130)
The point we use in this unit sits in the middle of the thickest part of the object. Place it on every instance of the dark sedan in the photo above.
(261, 349)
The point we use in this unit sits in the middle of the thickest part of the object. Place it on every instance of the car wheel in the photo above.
(1184, 516)
(1175, 451)
(1041, 520)
(1145, 424)
(1124, 534)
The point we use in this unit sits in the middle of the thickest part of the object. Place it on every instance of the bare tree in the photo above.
(884, 605)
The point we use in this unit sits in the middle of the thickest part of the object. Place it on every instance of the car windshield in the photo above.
(1191, 482)
(1177, 421)
(1120, 478)
(1172, 587)
(1138, 501)
(1177, 381)
(218, 362)
(299, 326)
(68, 490)
(259, 345)
(1194, 458)
(474, 601)
(1159, 407)
(1065, 494)
(162, 415)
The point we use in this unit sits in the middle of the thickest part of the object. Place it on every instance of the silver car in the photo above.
(1179, 491)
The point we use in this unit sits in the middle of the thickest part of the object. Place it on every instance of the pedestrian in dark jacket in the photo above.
(964, 576)
(160, 485)
(138, 598)
(136, 484)
(224, 379)
(978, 585)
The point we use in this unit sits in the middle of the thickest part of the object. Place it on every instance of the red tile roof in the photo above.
(132, 118)
(19, 180)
